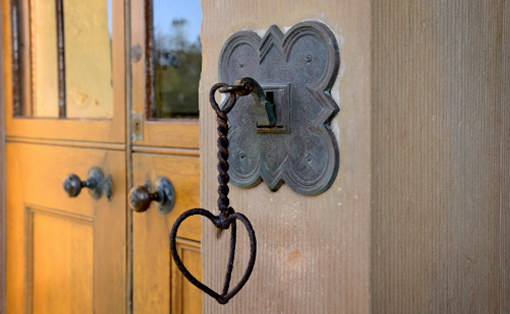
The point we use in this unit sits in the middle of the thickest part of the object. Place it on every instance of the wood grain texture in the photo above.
(166, 151)
(71, 275)
(154, 282)
(28, 140)
(440, 157)
(313, 252)
(2, 173)
(186, 298)
(41, 259)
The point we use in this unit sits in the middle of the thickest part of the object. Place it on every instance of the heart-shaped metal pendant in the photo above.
(227, 218)
(221, 222)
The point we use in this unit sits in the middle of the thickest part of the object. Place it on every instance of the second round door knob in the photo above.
(140, 197)
(94, 182)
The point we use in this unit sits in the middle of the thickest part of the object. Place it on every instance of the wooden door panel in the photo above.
(64, 255)
(69, 275)
(158, 287)
(185, 296)
(184, 173)
(43, 174)
(176, 134)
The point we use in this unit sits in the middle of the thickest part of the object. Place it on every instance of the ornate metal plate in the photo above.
(300, 67)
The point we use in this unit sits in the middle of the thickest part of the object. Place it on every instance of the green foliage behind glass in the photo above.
(177, 67)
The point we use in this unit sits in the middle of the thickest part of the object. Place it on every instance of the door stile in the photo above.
(129, 154)
(2, 172)
(159, 147)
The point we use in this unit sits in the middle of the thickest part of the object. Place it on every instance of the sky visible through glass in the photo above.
(110, 22)
(165, 11)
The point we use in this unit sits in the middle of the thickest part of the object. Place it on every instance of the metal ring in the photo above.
(214, 104)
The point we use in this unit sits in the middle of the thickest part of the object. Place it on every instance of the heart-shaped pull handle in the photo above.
(227, 217)
(223, 223)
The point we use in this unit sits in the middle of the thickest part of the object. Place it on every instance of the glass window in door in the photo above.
(63, 52)
(176, 59)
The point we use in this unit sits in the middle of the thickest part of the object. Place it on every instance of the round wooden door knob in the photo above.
(95, 181)
(72, 185)
(140, 197)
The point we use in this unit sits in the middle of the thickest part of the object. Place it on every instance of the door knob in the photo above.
(94, 182)
(140, 197)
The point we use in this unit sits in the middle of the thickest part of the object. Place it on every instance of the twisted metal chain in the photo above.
(222, 142)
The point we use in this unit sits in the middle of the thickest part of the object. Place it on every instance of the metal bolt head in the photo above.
(308, 58)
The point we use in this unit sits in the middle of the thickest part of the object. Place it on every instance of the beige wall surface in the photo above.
(416, 221)
(440, 156)
(313, 251)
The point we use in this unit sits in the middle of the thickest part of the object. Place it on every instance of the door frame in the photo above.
(2, 170)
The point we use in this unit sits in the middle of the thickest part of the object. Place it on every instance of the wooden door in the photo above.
(64, 113)
(64, 255)
(158, 286)
(166, 68)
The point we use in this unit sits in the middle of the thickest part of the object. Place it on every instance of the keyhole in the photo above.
(136, 126)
